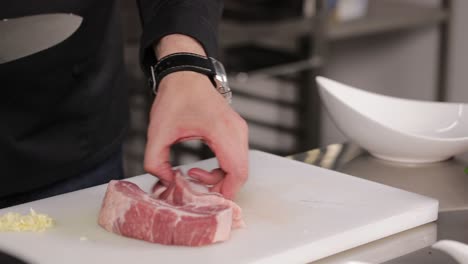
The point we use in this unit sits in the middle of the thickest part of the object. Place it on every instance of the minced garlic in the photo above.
(31, 222)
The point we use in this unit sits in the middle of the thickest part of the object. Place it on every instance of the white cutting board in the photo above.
(295, 213)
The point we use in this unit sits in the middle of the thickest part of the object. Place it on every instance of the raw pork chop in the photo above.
(187, 217)
(185, 191)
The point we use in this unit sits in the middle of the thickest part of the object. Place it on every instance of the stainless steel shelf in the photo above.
(388, 16)
(383, 16)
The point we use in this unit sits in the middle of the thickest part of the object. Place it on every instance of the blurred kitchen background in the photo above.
(273, 49)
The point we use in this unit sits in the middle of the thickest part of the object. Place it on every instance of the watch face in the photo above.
(221, 79)
(225, 91)
(220, 71)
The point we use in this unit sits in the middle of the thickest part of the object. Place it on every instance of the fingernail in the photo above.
(194, 173)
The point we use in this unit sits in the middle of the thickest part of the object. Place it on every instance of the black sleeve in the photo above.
(198, 19)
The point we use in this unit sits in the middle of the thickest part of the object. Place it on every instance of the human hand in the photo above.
(188, 107)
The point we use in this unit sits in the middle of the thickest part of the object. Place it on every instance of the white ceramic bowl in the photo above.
(397, 129)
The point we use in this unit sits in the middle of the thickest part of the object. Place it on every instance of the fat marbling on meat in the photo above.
(184, 213)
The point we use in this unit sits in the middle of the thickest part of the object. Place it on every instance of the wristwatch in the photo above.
(185, 61)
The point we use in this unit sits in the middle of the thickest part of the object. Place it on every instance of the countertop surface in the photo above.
(308, 215)
(445, 181)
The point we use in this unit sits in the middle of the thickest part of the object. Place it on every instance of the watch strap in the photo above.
(181, 61)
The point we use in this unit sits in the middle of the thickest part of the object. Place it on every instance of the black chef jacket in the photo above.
(64, 110)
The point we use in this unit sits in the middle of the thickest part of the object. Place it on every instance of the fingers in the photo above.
(157, 157)
(232, 184)
(208, 178)
(230, 144)
(217, 188)
(228, 186)
(158, 189)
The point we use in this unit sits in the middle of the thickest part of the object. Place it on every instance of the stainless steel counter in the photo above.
(445, 181)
